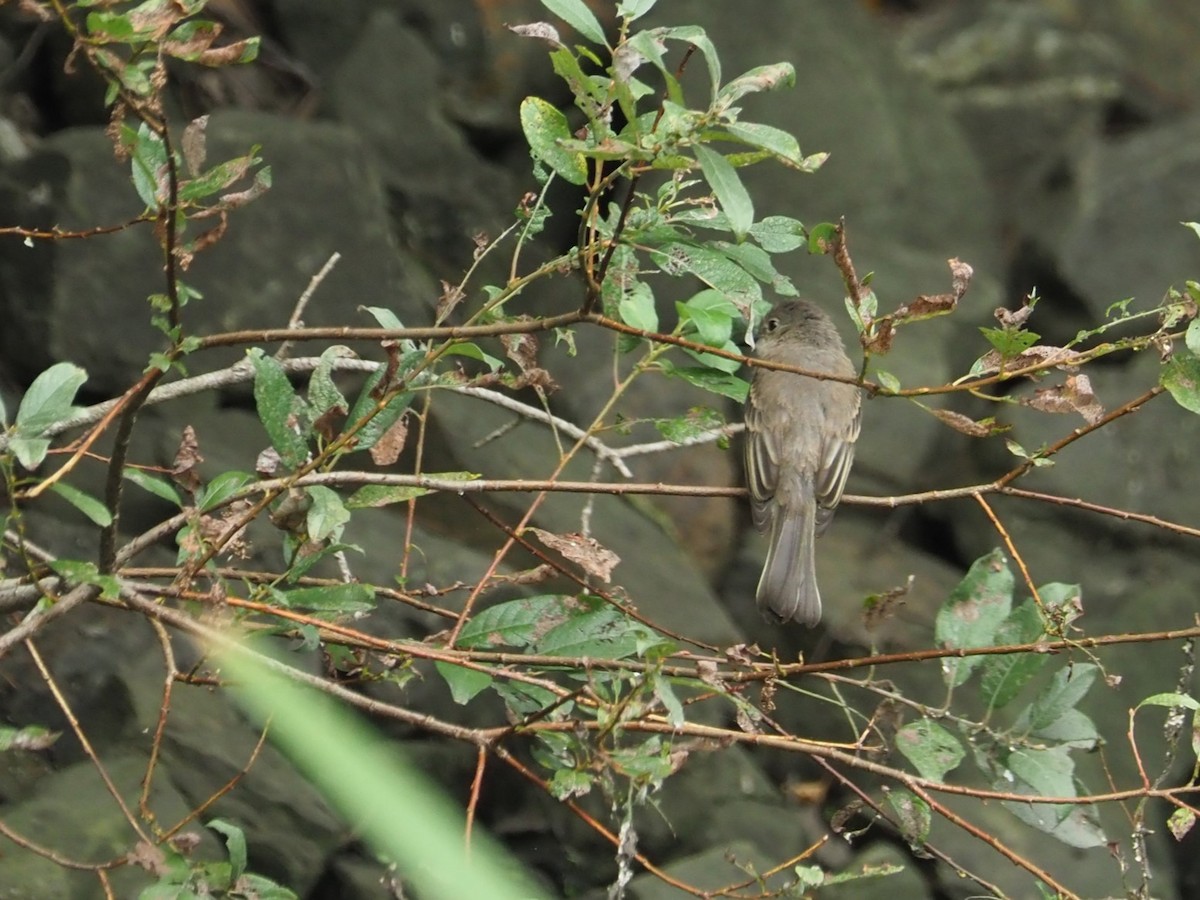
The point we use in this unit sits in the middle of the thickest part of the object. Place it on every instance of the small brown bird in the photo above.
(800, 435)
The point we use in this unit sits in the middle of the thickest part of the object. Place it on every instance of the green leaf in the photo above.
(775, 141)
(887, 380)
(545, 126)
(1171, 701)
(80, 572)
(385, 317)
(517, 622)
(148, 162)
(368, 436)
(30, 452)
(1063, 693)
(1004, 676)
(217, 179)
(1071, 729)
(576, 14)
(159, 487)
(629, 10)
(698, 421)
(235, 841)
(327, 515)
(1181, 377)
(528, 699)
(473, 351)
(464, 683)
(914, 815)
(372, 496)
(731, 193)
(221, 489)
(722, 364)
(335, 598)
(603, 633)
(279, 409)
(931, 749)
(756, 261)
(31, 737)
(1051, 773)
(323, 394)
(712, 267)
(1192, 337)
(694, 35)
(1009, 342)
(397, 810)
(760, 78)
(1180, 823)
(778, 234)
(712, 314)
(300, 564)
(49, 399)
(636, 308)
(973, 612)
(723, 383)
(568, 783)
(820, 237)
(670, 702)
(85, 503)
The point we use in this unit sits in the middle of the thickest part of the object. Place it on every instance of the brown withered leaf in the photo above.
(452, 295)
(741, 653)
(881, 342)
(235, 199)
(187, 457)
(227, 55)
(881, 607)
(185, 253)
(1075, 395)
(535, 377)
(929, 305)
(194, 144)
(710, 674)
(521, 349)
(290, 514)
(33, 739)
(1038, 355)
(198, 45)
(747, 719)
(267, 463)
(151, 21)
(541, 30)
(961, 274)
(390, 445)
(967, 425)
(587, 552)
(1014, 319)
(148, 857)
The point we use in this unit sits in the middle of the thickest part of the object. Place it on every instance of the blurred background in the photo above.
(1054, 145)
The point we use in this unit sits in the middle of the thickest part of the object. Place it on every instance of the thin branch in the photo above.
(296, 318)
(82, 737)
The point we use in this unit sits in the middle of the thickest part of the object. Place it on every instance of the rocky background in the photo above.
(1051, 144)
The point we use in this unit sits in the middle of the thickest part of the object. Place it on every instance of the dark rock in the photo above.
(659, 578)
(326, 198)
(1125, 238)
(1031, 89)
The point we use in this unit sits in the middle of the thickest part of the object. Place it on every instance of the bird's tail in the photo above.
(788, 586)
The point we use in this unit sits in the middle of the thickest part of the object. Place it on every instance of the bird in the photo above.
(799, 447)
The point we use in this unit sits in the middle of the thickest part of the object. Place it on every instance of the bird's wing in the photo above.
(836, 459)
(762, 466)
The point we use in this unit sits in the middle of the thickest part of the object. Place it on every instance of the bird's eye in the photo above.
(770, 324)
